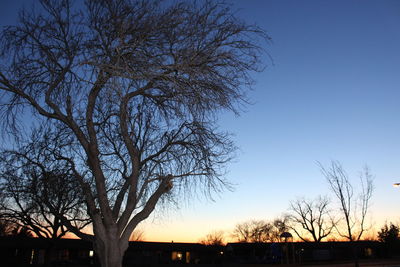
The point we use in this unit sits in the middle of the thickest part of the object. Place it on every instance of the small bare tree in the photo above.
(311, 218)
(128, 93)
(260, 231)
(252, 231)
(281, 225)
(215, 238)
(242, 232)
(353, 208)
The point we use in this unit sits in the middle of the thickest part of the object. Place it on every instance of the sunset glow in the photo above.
(330, 91)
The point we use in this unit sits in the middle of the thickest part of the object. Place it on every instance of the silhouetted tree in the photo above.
(253, 231)
(389, 233)
(260, 231)
(215, 238)
(281, 225)
(42, 196)
(390, 236)
(353, 209)
(128, 93)
(39, 193)
(311, 218)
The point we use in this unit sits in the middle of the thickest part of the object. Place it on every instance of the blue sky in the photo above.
(331, 93)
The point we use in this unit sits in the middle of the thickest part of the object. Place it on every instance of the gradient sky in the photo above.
(332, 92)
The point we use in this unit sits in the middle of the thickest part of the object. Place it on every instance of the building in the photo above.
(23, 251)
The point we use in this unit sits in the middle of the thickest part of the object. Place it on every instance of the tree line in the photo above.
(36, 191)
(313, 220)
(264, 231)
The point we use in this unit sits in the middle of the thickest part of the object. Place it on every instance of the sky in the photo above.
(330, 91)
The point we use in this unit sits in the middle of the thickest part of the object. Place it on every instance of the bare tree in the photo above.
(353, 208)
(259, 231)
(249, 231)
(281, 225)
(37, 192)
(311, 218)
(242, 232)
(128, 93)
(215, 238)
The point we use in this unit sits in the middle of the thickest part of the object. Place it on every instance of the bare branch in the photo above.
(353, 210)
(128, 93)
(313, 217)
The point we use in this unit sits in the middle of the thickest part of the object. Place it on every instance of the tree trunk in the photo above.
(109, 252)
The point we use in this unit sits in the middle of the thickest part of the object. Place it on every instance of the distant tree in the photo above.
(242, 232)
(310, 219)
(353, 208)
(252, 231)
(129, 92)
(215, 238)
(260, 231)
(389, 234)
(281, 225)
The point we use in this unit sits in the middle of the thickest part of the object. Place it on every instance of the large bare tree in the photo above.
(128, 93)
(311, 218)
(353, 207)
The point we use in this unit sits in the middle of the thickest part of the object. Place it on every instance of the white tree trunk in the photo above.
(109, 248)
(109, 253)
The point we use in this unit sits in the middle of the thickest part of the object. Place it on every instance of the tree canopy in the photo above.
(127, 93)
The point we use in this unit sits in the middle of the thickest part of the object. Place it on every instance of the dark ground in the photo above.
(369, 263)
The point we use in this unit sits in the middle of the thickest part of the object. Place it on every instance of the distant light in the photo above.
(91, 253)
(396, 185)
